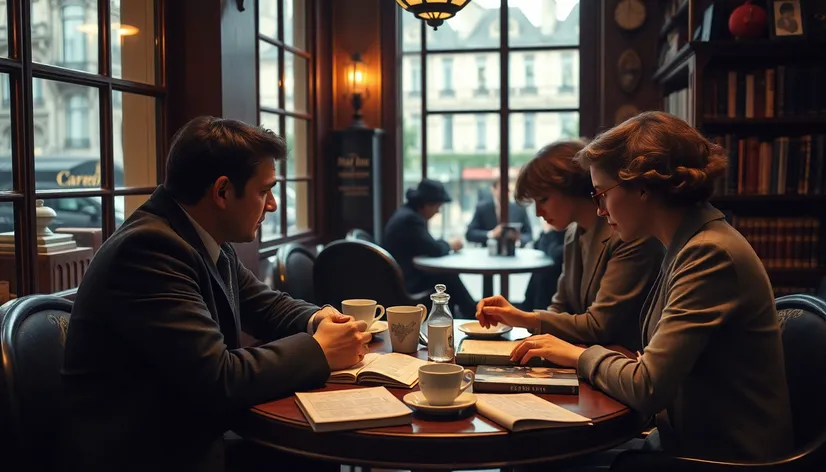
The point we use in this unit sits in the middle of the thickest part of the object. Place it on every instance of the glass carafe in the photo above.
(440, 328)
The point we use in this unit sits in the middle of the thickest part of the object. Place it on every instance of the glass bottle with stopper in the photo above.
(440, 328)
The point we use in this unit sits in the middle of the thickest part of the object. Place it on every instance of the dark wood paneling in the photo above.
(391, 117)
(323, 115)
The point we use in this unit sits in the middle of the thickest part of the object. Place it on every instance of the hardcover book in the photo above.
(524, 379)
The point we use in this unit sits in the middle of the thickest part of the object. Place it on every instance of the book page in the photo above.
(399, 367)
(488, 348)
(350, 375)
(508, 409)
(351, 405)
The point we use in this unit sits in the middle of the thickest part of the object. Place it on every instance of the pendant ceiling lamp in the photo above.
(434, 12)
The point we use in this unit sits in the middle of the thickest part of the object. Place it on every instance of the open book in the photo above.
(524, 411)
(359, 408)
(391, 369)
(485, 352)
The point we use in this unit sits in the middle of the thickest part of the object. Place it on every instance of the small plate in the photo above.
(377, 327)
(417, 401)
(474, 329)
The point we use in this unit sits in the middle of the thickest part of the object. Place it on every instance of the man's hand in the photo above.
(456, 244)
(495, 232)
(329, 313)
(344, 343)
(494, 310)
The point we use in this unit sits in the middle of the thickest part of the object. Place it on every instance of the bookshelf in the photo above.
(763, 100)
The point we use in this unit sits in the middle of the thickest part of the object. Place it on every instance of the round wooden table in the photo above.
(476, 260)
(467, 442)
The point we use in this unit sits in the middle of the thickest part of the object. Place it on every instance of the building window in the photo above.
(63, 124)
(74, 47)
(481, 82)
(415, 77)
(567, 83)
(447, 133)
(481, 134)
(530, 75)
(284, 83)
(530, 131)
(447, 77)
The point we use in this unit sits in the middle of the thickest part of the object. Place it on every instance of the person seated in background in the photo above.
(406, 236)
(154, 369)
(486, 224)
(712, 369)
(604, 279)
(542, 285)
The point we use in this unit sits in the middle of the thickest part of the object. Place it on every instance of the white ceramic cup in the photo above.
(405, 323)
(362, 310)
(442, 383)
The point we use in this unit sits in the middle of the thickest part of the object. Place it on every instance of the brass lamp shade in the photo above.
(434, 12)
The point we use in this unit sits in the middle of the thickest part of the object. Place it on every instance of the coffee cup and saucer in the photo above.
(442, 390)
(363, 309)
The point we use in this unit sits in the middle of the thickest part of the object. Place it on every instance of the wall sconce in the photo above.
(434, 12)
(357, 88)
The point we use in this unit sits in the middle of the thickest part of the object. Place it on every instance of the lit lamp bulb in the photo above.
(357, 88)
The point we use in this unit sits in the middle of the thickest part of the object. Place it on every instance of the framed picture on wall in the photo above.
(787, 19)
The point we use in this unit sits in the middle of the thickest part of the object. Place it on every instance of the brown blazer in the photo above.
(605, 309)
(712, 369)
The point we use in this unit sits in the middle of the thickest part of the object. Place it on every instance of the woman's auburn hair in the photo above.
(660, 153)
(553, 169)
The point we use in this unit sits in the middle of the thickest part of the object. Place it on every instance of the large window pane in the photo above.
(270, 121)
(4, 30)
(268, 75)
(544, 79)
(455, 158)
(134, 122)
(271, 227)
(67, 136)
(295, 82)
(411, 32)
(268, 18)
(8, 256)
(543, 23)
(411, 145)
(295, 23)
(297, 136)
(6, 176)
(476, 26)
(133, 40)
(298, 207)
(126, 205)
(65, 34)
(461, 81)
(530, 131)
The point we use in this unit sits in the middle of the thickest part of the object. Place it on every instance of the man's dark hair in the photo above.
(787, 7)
(207, 148)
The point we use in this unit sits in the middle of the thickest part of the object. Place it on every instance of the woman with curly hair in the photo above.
(604, 280)
(712, 366)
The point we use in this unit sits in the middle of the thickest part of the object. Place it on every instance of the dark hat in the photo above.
(428, 191)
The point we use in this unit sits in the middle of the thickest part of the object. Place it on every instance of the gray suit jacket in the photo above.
(153, 370)
(712, 369)
(605, 309)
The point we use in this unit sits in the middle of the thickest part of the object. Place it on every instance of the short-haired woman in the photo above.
(604, 280)
(712, 367)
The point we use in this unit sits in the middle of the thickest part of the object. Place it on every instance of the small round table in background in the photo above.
(478, 261)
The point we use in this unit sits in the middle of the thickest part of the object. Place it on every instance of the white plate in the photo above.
(377, 327)
(417, 401)
(474, 329)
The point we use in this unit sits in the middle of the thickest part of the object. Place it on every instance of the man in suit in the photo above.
(406, 237)
(486, 224)
(154, 370)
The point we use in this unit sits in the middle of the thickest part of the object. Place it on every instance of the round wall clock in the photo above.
(630, 14)
(629, 70)
(624, 112)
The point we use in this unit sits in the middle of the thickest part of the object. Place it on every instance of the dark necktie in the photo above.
(226, 274)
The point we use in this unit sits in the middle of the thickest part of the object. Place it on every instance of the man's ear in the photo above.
(220, 191)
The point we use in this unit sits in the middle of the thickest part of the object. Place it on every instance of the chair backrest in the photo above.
(293, 271)
(803, 321)
(357, 234)
(358, 269)
(32, 336)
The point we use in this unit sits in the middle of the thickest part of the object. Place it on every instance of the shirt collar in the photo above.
(210, 244)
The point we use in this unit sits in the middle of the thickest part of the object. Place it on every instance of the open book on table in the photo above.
(524, 411)
(487, 352)
(391, 369)
(358, 408)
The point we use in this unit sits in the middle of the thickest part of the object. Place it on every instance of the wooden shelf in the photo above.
(801, 124)
(768, 198)
(674, 19)
(676, 66)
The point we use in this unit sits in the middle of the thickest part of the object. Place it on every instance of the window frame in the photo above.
(21, 69)
(268, 247)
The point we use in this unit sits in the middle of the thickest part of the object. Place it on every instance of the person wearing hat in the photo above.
(406, 237)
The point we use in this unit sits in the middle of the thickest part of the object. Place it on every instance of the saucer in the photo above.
(417, 401)
(474, 329)
(377, 327)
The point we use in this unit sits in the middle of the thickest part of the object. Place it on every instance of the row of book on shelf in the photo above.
(779, 291)
(782, 243)
(784, 165)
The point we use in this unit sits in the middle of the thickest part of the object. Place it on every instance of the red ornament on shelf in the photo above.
(748, 21)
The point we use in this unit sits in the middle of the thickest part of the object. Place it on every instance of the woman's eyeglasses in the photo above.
(599, 198)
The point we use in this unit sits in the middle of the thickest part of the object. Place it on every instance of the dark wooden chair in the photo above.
(360, 269)
(359, 235)
(803, 321)
(32, 335)
(293, 271)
